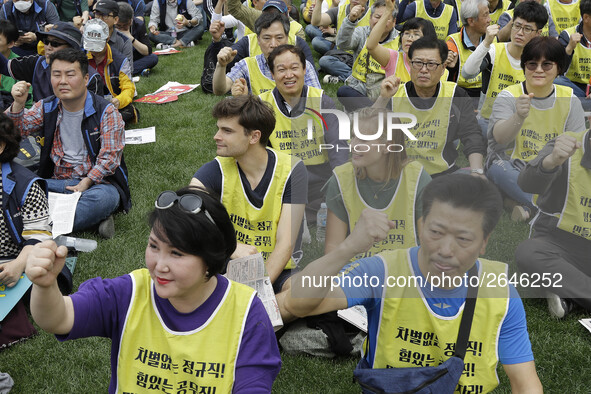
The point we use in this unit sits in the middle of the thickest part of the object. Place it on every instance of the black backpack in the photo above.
(210, 59)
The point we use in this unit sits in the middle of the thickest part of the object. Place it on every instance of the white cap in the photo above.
(95, 36)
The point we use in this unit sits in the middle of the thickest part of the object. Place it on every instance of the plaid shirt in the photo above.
(112, 142)
(240, 70)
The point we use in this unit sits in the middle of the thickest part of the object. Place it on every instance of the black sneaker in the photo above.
(559, 307)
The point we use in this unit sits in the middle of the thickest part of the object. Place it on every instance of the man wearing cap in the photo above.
(113, 67)
(175, 24)
(135, 30)
(249, 15)
(30, 17)
(35, 69)
(108, 12)
(84, 141)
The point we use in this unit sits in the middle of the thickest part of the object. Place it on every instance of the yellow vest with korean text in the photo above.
(503, 74)
(575, 217)
(541, 125)
(256, 226)
(400, 210)
(342, 14)
(258, 81)
(431, 127)
(432, 337)
(545, 30)
(441, 23)
(253, 43)
(291, 133)
(463, 54)
(564, 15)
(580, 65)
(154, 357)
(496, 14)
(365, 64)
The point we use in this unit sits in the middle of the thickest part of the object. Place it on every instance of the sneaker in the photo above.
(331, 79)
(559, 307)
(145, 72)
(189, 45)
(162, 46)
(106, 228)
(520, 213)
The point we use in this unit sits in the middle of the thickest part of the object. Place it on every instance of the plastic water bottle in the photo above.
(173, 32)
(321, 223)
(79, 244)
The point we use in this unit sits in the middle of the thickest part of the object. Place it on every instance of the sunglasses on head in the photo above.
(187, 202)
(53, 43)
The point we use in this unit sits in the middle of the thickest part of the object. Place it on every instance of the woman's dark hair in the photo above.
(421, 24)
(467, 192)
(547, 48)
(195, 234)
(10, 136)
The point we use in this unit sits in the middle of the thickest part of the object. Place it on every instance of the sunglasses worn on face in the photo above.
(53, 43)
(188, 202)
(533, 66)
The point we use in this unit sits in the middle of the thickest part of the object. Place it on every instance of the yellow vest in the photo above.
(258, 81)
(463, 54)
(458, 10)
(401, 209)
(496, 14)
(365, 64)
(432, 337)
(309, 4)
(564, 15)
(253, 44)
(341, 15)
(154, 357)
(291, 133)
(431, 127)
(540, 126)
(545, 30)
(256, 226)
(575, 217)
(441, 23)
(502, 75)
(580, 65)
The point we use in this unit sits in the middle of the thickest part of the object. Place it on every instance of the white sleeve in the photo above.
(472, 66)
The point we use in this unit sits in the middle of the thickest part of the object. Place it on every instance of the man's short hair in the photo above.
(382, 3)
(547, 48)
(285, 48)
(429, 43)
(466, 192)
(11, 137)
(252, 112)
(585, 7)
(470, 9)
(530, 11)
(71, 55)
(9, 31)
(125, 12)
(267, 19)
(424, 25)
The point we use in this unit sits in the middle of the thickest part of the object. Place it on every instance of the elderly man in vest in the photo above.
(559, 250)
(459, 214)
(83, 142)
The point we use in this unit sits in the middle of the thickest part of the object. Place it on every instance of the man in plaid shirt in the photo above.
(82, 142)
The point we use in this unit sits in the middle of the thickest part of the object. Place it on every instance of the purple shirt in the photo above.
(101, 305)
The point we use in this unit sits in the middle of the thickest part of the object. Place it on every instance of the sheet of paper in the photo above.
(140, 136)
(9, 296)
(62, 208)
(167, 93)
(356, 315)
(251, 271)
(169, 51)
(586, 323)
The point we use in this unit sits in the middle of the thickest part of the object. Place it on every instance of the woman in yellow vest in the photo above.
(166, 320)
(528, 115)
(381, 177)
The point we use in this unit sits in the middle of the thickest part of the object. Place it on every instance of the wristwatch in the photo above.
(478, 171)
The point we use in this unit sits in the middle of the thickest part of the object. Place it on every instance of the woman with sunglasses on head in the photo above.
(527, 115)
(379, 176)
(207, 332)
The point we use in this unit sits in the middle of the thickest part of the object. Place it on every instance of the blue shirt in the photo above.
(514, 346)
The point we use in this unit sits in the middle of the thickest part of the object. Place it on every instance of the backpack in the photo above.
(210, 59)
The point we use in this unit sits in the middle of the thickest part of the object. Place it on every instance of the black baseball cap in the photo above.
(107, 7)
(65, 31)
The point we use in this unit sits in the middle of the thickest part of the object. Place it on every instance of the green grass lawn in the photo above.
(184, 142)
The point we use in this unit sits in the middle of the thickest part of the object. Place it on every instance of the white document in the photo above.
(356, 315)
(586, 323)
(62, 208)
(251, 271)
(140, 136)
(173, 85)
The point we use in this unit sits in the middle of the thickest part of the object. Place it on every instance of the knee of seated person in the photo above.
(525, 255)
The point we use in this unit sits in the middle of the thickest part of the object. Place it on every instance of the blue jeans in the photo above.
(94, 205)
(352, 100)
(185, 36)
(503, 174)
(482, 122)
(319, 43)
(144, 62)
(564, 81)
(333, 66)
